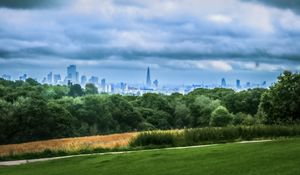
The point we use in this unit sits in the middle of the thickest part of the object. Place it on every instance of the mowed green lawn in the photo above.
(276, 157)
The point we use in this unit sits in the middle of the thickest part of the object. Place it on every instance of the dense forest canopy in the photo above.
(32, 111)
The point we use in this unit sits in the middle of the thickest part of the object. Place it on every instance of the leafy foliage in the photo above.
(281, 103)
(32, 111)
(90, 88)
(220, 117)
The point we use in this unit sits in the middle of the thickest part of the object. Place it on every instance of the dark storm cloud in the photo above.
(30, 4)
(93, 30)
(284, 4)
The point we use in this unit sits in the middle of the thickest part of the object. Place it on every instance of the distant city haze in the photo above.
(74, 76)
(166, 77)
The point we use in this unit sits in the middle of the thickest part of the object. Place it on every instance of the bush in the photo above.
(150, 138)
(220, 117)
(243, 119)
(210, 135)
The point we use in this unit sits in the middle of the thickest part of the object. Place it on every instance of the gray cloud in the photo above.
(284, 4)
(31, 4)
(183, 31)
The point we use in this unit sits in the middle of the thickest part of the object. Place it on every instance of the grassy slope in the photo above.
(278, 157)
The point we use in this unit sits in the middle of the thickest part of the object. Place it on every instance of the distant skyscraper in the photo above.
(6, 77)
(103, 83)
(49, 78)
(155, 82)
(223, 82)
(72, 75)
(94, 80)
(83, 80)
(123, 86)
(44, 80)
(148, 80)
(56, 78)
(111, 88)
(248, 84)
(77, 77)
(23, 77)
(238, 84)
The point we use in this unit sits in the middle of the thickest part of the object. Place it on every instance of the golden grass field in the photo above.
(69, 144)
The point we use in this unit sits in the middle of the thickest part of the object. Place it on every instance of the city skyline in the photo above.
(141, 77)
(167, 76)
(74, 76)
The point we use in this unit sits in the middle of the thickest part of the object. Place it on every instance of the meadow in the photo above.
(144, 140)
(68, 144)
(268, 158)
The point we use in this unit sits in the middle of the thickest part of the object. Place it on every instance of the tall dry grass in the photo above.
(69, 144)
(198, 136)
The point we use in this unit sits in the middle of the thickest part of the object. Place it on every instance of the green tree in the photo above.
(160, 120)
(59, 121)
(220, 117)
(155, 101)
(201, 110)
(216, 93)
(6, 120)
(243, 119)
(145, 126)
(246, 101)
(281, 103)
(94, 112)
(124, 113)
(30, 120)
(75, 90)
(55, 92)
(90, 88)
(32, 82)
(182, 115)
(3, 91)
(249, 120)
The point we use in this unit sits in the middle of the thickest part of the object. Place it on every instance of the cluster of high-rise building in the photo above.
(72, 77)
(239, 86)
(6, 77)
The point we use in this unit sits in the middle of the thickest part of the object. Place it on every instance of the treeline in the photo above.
(31, 111)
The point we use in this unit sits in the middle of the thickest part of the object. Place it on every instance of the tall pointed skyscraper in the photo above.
(148, 81)
(223, 83)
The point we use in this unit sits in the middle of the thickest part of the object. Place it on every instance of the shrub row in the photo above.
(207, 135)
(162, 138)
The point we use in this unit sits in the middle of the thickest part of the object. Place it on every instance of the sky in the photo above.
(183, 42)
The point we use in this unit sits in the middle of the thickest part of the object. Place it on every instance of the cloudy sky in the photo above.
(182, 41)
